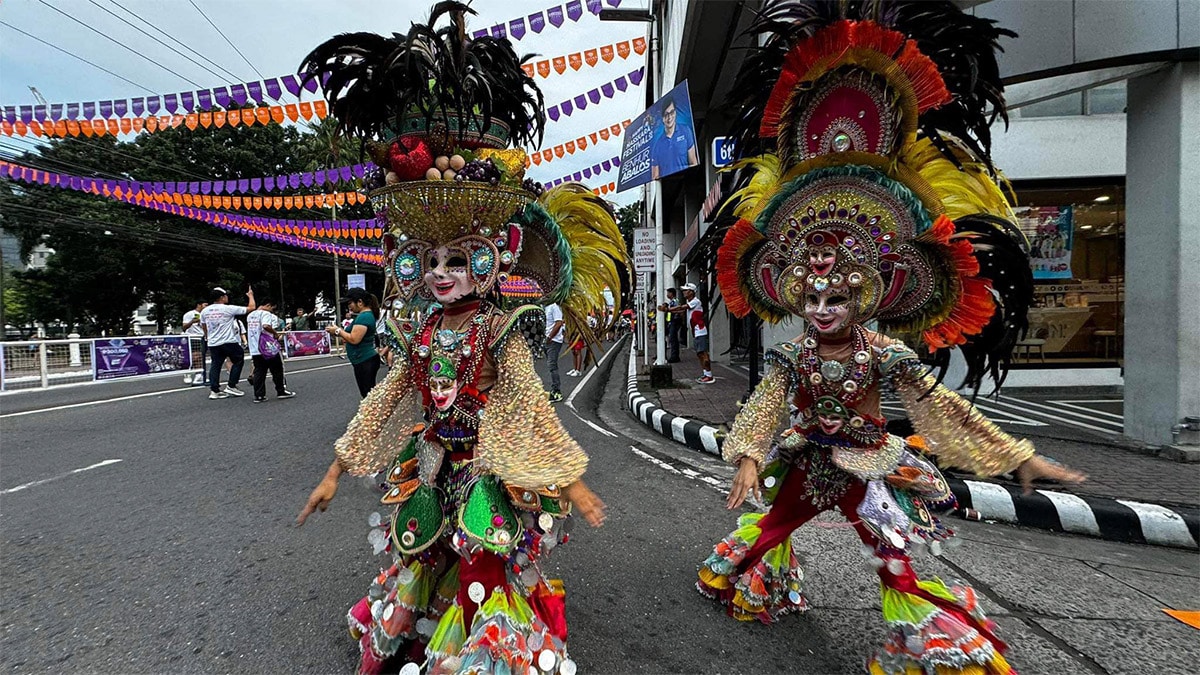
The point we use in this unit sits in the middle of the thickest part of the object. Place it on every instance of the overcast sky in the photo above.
(274, 35)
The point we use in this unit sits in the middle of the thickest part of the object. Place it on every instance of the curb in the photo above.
(1101, 517)
(689, 432)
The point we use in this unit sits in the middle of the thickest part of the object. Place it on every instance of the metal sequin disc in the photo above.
(841, 142)
(769, 482)
(861, 357)
(567, 667)
(534, 642)
(546, 660)
(529, 577)
(410, 669)
(388, 612)
(833, 370)
(404, 576)
(546, 522)
(475, 592)
(794, 597)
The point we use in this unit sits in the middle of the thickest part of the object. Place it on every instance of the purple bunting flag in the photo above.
(587, 173)
(206, 187)
(194, 187)
(636, 76)
(73, 110)
(170, 103)
(272, 87)
(575, 9)
(120, 107)
(106, 109)
(594, 6)
(221, 96)
(594, 96)
(238, 93)
(306, 179)
(294, 180)
(607, 89)
(170, 186)
(581, 102)
(187, 100)
(345, 173)
(555, 15)
(269, 183)
(10, 114)
(243, 185)
(537, 22)
(256, 92)
(498, 31)
(255, 184)
(358, 170)
(516, 28)
(89, 110)
(39, 112)
(204, 97)
(311, 85)
(621, 83)
(552, 112)
(290, 83)
(606, 164)
(479, 33)
(575, 176)
(566, 108)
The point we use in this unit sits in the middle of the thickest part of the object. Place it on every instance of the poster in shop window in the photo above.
(1050, 232)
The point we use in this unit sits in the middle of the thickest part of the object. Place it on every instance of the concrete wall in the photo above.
(1060, 147)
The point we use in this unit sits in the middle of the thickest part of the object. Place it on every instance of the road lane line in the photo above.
(145, 395)
(1061, 418)
(35, 483)
(1010, 418)
(1069, 404)
(593, 425)
(1049, 410)
(579, 387)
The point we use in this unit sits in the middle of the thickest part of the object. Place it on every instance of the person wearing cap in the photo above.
(193, 328)
(223, 333)
(695, 318)
(359, 337)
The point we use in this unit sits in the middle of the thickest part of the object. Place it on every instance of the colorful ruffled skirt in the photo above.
(934, 628)
(465, 592)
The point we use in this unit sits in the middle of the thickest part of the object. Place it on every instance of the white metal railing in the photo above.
(40, 364)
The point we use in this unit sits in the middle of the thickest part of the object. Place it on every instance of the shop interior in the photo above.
(1079, 293)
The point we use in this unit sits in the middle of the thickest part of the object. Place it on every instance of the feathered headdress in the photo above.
(866, 124)
(440, 110)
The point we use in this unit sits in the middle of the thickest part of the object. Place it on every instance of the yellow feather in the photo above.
(963, 192)
(764, 184)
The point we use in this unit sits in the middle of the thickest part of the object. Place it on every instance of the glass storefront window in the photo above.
(1077, 249)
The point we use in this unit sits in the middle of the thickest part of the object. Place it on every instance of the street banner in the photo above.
(356, 281)
(1050, 232)
(643, 249)
(113, 358)
(660, 142)
(306, 342)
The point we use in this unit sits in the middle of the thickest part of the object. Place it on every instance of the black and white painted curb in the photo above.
(691, 433)
(1102, 517)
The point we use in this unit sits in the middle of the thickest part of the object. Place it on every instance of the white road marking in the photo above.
(693, 474)
(1059, 418)
(1010, 418)
(579, 387)
(993, 501)
(145, 395)
(593, 425)
(1093, 411)
(35, 483)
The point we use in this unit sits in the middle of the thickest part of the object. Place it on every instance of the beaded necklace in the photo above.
(835, 388)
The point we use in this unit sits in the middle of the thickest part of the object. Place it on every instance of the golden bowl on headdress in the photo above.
(440, 211)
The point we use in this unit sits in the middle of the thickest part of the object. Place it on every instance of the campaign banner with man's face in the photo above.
(660, 142)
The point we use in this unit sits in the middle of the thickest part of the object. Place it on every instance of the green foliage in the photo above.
(111, 257)
(629, 218)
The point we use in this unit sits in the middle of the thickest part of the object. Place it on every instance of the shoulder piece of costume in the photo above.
(527, 322)
(376, 434)
(865, 132)
(756, 425)
(895, 358)
(784, 356)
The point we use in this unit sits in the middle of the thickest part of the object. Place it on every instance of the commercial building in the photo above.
(1103, 153)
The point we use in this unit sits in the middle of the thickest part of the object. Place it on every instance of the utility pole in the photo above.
(337, 280)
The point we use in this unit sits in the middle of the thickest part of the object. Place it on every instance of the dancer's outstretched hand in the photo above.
(586, 503)
(1037, 467)
(745, 483)
(319, 499)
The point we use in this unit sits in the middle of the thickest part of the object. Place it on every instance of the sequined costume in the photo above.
(867, 194)
(475, 494)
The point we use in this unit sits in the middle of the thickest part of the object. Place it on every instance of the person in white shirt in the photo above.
(193, 328)
(695, 318)
(223, 332)
(262, 332)
(555, 329)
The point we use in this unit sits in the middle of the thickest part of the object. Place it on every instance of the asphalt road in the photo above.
(182, 557)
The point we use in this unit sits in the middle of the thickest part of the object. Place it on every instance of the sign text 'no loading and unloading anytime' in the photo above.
(643, 249)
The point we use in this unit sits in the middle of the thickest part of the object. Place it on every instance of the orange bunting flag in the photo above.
(639, 45)
(543, 68)
(576, 61)
(205, 119)
(623, 49)
(277, 201)
(528, 68)
(234, 118)
(606, 53)
(593, 136)
(535, 158)
(35, 128)
(288, 201)
(340, 198)
(237, 202)
(187, 199)
(85, 127)
(306, 110)
(72, 127)
(277, 114)
(247, 116)
(626, 123)
(560, 64)
(308, 201)
(226, 202)
(604, 134)
(558, 151)
(219, 118)
(99, 127)
(319, 108)
(262, 114)
(581, 142)
(60, 128)
(192, 121)
(591, 56)
(547, 155)
(570, 146)
(176, 121)
(206, 200)
(616, 129)
(257, 201)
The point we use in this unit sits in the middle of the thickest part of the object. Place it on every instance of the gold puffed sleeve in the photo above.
(755, 426)
(373, 437)
(959, 434)
(521, 439)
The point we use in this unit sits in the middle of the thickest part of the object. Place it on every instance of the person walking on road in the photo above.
(554, 346)
(263, 334)
(194, 329)
(694, 311)
(359, 336)
(224, 335)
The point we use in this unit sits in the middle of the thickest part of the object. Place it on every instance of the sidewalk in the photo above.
(1116, 477)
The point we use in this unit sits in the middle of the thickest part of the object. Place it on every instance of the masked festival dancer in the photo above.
(869, 196)
(483, 488)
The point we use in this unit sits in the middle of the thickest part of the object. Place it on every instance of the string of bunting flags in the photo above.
(135, 193)
(238, 95)
(549, 154)
(284, 202)
(590, 57)
(607, 90)
(593, 170)
(536, 22)
(333, 176)
(133, 125)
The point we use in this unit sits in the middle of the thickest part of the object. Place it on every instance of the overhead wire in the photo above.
(143, 32)
(174, 39)
(76, 56)
(119, 44)
(222, 34)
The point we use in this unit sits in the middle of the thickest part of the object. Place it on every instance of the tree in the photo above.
(629, 218)
(110, 257)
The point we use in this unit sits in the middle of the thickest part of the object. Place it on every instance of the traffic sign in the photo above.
(643, 249)
(724, 151)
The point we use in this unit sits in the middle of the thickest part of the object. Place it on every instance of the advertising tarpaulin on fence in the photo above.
(131, 356)
(306, 342)
(660, 142)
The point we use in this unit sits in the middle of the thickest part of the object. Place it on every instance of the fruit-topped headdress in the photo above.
(438, 112)
(864, 132)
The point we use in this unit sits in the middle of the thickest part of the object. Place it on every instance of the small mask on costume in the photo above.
(443, 383)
